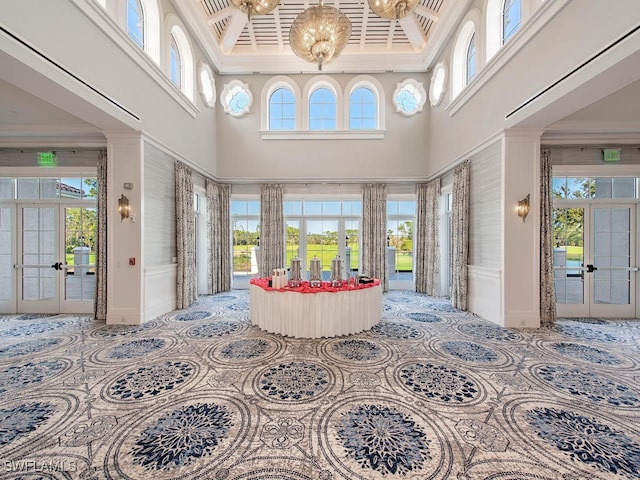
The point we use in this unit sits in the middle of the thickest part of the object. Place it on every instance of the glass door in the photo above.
(321, 240)
(56, 251)
(594, 260)
(40, 259)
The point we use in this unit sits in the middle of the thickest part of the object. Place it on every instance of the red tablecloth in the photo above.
(306, 288)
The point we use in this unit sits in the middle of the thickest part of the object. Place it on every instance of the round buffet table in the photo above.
(306, 312)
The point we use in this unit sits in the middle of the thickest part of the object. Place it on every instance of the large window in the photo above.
(245, 221)
(362, 110)
(135, 21)
(322, 110)
(511, 16)
(282, 110)
(324, 229)
(400, 218)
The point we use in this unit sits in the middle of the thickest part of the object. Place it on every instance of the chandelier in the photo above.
(255, 7)
(393, 9)
(318, 34)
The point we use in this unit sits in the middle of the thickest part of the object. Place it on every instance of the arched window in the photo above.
(135, 21)
(363, 109)
(511, 16)
(180, 68)
(471, 59)
(282, 110)
(175, 63)
(322, 110)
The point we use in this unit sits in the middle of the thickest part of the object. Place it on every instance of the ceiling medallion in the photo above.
(318, 34)
(255, 7)
(393, 9)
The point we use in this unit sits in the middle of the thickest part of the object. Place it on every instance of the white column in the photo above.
(521, 240)
(125, 299)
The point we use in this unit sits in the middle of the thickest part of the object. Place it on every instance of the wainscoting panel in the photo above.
(159, 290)
(484, 293)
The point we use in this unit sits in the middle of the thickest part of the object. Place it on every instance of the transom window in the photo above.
(282, 110)
(135, 21)
(322, 110)
(580, 188)
(362, 109)
(511, 15)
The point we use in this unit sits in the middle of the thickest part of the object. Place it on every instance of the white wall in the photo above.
(243, 155)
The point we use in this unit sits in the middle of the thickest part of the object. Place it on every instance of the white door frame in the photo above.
(589, 308)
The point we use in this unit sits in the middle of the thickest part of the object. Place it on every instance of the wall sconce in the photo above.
(523, 207)
(123, 207)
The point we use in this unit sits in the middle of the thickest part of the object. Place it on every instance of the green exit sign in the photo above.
(46, 159)
(611, 154)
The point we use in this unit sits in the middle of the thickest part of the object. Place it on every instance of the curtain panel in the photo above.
(547, 287)
(219, 237)
(374, 232)
(185, 237)
(272, 238)
(426, 238)
(100, 302)
(460, 235)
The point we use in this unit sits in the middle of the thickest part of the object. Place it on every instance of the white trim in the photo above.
(439, 80)
(323, 135)
(459, 55)
(207, 83)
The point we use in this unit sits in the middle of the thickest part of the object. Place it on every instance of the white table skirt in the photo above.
(315, 315)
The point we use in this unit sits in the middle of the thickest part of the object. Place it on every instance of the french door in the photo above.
(324, 238)
(595, 260)
(55, 271)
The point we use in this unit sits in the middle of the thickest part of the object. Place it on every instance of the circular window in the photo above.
(438, 85)
(207, 87)
(409, 97)
(236, 98)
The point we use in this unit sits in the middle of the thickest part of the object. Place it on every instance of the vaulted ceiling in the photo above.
(261, 45)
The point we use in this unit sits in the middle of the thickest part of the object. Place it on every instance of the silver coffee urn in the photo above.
(315, 272)
(295, 273)
(336, 272)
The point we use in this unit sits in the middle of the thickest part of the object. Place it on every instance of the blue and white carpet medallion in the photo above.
(430, 393)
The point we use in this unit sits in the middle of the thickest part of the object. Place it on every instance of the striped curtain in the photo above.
(460, 235)
(185, 237)
(374, 232)
(100, 298)
(547, 287)
(272, 239)
(219, 237)
(427, 244)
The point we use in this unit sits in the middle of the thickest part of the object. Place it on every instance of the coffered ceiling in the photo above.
(261, 45)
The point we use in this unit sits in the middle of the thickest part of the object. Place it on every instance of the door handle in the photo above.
(57, 266)
(591, 268)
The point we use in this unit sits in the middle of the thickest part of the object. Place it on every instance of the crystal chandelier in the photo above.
(393, 9)
(318, 34)
(255, 7)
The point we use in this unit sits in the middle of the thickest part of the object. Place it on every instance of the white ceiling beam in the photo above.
(392, 29)
(427, 13)
(232, 32)
(413, 31)
(221, 14)
(365, 20)
(276, 17)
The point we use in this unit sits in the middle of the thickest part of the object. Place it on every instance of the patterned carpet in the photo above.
(429, 393)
